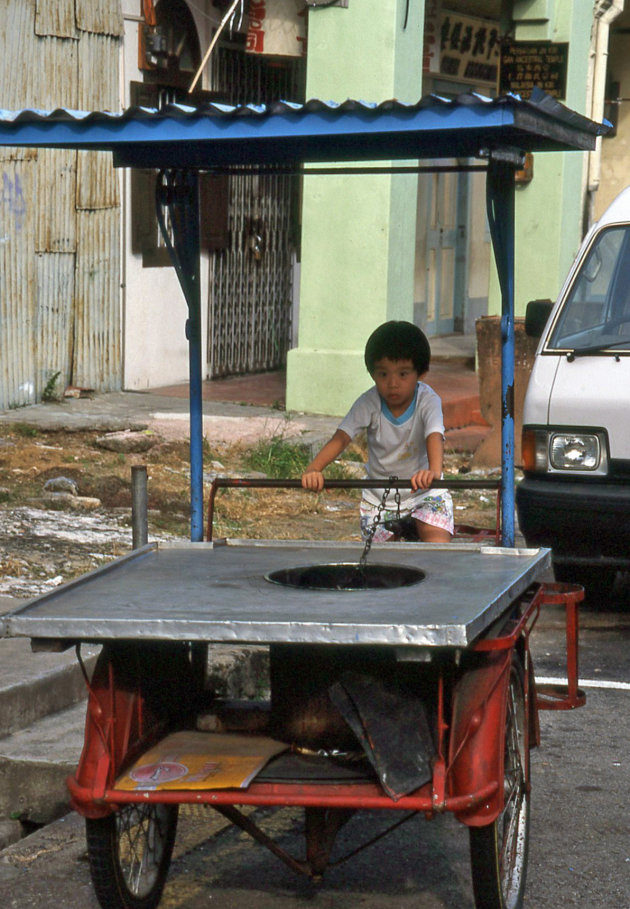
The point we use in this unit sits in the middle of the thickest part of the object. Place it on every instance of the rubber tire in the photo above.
(495, 884)
(107, 841)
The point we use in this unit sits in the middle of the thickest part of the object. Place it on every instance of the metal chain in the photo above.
(396, 497)
(377, 517)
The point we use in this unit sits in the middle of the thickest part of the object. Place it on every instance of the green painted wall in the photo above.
(358, 233)
(549, 210)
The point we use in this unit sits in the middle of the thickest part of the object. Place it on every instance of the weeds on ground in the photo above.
(25, 430)
(50, 392)
(285, 513)
(279, 458)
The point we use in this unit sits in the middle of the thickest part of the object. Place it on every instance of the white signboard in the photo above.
(462, 47)
(277, 27)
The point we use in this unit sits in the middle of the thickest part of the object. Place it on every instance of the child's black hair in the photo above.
(398, 341)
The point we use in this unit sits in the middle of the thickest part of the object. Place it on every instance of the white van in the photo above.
(575, 496)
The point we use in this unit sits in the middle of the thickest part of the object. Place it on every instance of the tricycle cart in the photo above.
(413, 690)
(439, 667)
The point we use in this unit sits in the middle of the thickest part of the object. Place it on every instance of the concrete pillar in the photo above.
(550, 209)
(358, 233)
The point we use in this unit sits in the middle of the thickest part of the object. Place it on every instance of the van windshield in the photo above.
(596, 311)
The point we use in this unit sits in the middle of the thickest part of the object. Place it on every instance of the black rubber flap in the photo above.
(391, 724)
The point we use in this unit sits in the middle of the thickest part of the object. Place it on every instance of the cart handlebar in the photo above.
(365, 483)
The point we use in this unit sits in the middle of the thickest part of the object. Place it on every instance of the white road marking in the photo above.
(586, 683)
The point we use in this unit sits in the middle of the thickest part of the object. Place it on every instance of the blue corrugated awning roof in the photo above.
(211, 134)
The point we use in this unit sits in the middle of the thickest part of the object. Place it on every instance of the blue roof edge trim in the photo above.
(539, 102)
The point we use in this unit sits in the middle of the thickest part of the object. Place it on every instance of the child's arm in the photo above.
(312, 478)
(435, 451)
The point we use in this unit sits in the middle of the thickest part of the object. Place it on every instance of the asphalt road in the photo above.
(580, 828)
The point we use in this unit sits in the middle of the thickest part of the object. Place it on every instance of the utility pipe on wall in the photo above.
(597, 90)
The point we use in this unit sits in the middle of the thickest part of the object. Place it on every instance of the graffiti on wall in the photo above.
(12, 205)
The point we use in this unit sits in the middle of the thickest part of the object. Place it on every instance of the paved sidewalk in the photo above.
(245, 408)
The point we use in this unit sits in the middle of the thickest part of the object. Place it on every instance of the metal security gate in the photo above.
(249, 322)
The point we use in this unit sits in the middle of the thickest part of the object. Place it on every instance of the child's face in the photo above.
(395, 382)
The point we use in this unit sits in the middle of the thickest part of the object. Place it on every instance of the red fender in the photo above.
(136, 694)
(476, 747)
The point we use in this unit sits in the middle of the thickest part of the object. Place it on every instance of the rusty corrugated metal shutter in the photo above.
(98, 184)
(55, 17)
(58, 59)
(99, 73)
(103, 17)
(55, 229)
(17, 282)
(97, 327)
(60, 212)
(19, 78)
(96, 355)
(54, 317)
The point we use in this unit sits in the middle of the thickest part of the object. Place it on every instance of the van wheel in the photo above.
(597, 582)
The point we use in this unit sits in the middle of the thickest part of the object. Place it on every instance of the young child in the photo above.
(405, 436)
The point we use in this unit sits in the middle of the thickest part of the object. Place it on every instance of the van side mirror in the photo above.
(536, 316)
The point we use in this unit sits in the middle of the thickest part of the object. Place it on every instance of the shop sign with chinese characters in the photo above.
(469, 48)
(525, 64)
(277, 27)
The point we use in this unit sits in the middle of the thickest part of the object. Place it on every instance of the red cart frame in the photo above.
(486, 721)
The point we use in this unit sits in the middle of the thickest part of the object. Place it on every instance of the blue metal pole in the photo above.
(500, 203)
(193, 333)
(179, 192)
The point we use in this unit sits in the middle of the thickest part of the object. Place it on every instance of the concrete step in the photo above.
(34, 685)
(34, 764)
(462, 411)
(458, 389)
(42, 718)
(465, 438)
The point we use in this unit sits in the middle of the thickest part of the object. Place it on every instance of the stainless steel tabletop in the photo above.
(218, 593)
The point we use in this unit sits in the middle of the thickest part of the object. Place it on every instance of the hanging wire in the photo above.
(228, 16)
(240, 14)
(164, 192)
(406, 16)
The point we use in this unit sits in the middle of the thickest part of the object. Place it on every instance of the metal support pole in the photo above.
(193, 333)
(500, 206)
(178, 191)
(139, 508)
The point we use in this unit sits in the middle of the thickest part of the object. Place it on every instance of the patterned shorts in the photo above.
(435, 509)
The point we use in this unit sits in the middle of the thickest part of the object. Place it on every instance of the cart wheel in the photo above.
(498, 852)
(130, 853)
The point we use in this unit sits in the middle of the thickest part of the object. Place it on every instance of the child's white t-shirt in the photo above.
(396, 445)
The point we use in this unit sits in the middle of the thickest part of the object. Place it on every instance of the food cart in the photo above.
(405, 686)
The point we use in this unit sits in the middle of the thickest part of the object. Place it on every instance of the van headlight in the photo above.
(548, 451)
(574, 451)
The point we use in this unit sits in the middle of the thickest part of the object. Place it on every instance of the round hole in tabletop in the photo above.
(347, 576)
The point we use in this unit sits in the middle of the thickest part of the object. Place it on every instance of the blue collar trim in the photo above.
(407, 415)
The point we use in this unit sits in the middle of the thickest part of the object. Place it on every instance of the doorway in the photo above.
(443, 202)
(452, 245)
(251, 282)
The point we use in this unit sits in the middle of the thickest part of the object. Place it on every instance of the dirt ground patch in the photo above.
(46, 540)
